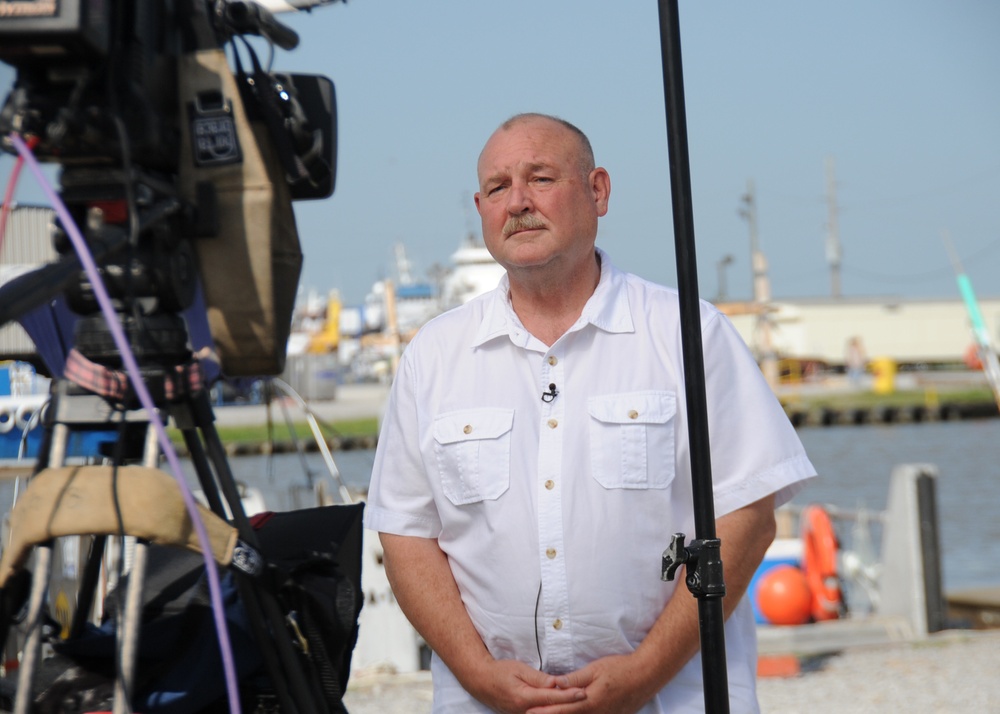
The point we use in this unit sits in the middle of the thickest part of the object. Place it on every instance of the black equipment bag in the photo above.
(313, 562)
(321, 588)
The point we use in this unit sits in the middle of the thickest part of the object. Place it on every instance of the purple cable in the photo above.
(132, 367)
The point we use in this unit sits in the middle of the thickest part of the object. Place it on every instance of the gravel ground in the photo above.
(955, 671)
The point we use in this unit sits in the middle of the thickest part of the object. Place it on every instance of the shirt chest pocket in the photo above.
(472, 447)
(632, 439)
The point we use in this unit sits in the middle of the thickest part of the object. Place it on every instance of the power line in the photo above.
(932, 191)
(944, 271)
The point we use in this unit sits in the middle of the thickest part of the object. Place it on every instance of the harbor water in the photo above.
(855, 462)
(854, 465)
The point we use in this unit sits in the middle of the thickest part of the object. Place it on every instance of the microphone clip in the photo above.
(548, 396)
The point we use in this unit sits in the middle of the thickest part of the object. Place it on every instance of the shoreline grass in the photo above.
(279, 433)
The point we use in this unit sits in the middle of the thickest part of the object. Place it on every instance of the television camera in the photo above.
(180, 171)
(167, 154)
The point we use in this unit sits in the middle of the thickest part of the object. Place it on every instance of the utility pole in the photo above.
(761, 291)
(724, 263)
(832, 231)
(749, 212)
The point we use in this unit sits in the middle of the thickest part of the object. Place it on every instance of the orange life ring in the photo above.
(819, 561)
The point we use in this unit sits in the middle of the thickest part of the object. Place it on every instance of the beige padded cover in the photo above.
(78, 500)
(250, 270)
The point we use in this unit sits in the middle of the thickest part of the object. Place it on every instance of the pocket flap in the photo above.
(471, 424)
(651, 407)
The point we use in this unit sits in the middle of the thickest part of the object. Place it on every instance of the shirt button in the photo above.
(553, 360)
(550, 484)
(550, 553)
(557, 625)
(467, 429)
(553, 423)
(633, 414)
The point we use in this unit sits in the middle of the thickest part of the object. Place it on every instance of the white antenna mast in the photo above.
(833, 253)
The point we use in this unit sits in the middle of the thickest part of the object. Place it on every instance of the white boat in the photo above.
(373, 335)
(474, 273)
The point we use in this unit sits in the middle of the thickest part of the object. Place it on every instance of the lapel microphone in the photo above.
(548, 396)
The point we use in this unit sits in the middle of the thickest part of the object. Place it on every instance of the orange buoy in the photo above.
(783, 596)
(819, 561)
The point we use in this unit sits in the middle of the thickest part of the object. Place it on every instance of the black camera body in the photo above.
(80, 61)
(137, 103)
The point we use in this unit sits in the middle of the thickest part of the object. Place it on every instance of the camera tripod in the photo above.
(109, 500)
(160, 143)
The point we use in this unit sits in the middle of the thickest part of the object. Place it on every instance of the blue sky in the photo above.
(901, 94)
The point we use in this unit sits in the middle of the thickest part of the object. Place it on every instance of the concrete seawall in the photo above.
(821, 415)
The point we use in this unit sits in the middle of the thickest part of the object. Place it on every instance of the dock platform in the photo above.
(975, 608)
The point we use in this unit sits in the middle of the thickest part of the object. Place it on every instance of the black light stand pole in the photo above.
(703, 556)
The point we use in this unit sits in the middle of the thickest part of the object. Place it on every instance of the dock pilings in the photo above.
(839, 415)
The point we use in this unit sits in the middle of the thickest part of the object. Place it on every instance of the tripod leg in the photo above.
(88, 586)
(32, 646)
(224, 475)
(57, 452)
(204, 472)
(128, 631)
(131, 619)
(39, 593)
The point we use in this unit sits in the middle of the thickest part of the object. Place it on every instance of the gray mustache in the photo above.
(523, 222)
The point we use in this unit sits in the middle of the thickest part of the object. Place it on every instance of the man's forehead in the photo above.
(509, 148)
(528, 131)
(512, 164)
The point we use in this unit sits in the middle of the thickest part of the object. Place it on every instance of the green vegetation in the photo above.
(259, 433)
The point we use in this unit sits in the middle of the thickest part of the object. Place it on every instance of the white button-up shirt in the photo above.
(555, 511)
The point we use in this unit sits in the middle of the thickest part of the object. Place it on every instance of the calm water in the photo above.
(854, 463)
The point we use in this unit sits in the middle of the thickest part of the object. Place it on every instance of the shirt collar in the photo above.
(607, 309)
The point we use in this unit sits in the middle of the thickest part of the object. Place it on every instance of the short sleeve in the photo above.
(400, 498)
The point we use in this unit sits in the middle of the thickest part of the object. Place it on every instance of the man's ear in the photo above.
(600, 184)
